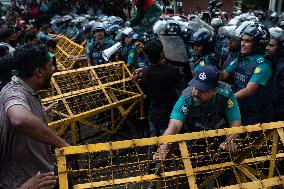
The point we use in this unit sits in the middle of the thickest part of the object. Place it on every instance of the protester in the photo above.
(161, 80)
(25, 145)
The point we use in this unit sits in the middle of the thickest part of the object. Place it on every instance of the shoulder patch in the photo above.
(230, 103)
(184, 109)
(132, 55)
(202, 63)
(224, 89)
(257, 70)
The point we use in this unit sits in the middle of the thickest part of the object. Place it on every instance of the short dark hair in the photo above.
(3, 50)
(153, 49)
(170, 10)
(29, 36)
(51, 43)
(45, 27)
(7, 64)
(29, 57)
(5, 34)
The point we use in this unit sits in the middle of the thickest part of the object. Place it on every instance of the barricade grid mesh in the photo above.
(194, 161)
(92, 100)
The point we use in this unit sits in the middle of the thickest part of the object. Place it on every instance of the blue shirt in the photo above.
(43, 37)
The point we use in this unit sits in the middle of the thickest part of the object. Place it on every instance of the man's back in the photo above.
(162, 81)
(20, 156)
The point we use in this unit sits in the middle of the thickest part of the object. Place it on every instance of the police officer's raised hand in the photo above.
(161, 153)
(41, 181)
(229, 146)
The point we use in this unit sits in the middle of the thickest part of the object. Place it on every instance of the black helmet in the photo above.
(278, 34)
(172, 28)
(259, 34)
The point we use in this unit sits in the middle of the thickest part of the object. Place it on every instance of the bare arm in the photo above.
(40, 181)
(32, 126)
(174, 127)
(89, 62)
(230, 145)
(250, 89)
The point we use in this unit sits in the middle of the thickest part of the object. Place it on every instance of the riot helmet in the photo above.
(205, 38)
(278, 35)
(113, 30)
(216, 23)
(281, 24)
(201, 36)
(99, 26)
(274, 15)
(67, 18)
(259, 34)
(172, 28)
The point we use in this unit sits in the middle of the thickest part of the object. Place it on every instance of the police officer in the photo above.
(175, 52)
(202, 42)
(70, 29)
(252, 73)
(205, 104)
(98, 45)
(221, 42)
(275, 50)
(128, 51)
(273, 20)
(57, 26)
(139, 41)
(88, 36)
(233, 48)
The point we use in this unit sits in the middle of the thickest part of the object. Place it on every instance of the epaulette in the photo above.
(260, 59)
(224, 89)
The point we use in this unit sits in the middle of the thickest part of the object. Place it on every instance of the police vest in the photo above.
(97, 50)
(199, 120)
(257, 108)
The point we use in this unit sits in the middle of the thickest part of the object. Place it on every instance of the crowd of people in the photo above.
(198, 74)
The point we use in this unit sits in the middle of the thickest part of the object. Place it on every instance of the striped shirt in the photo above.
(20, 156)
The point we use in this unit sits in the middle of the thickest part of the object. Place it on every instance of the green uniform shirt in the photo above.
(262, 72)
(131, 58)
(181, 108)
(204, 60)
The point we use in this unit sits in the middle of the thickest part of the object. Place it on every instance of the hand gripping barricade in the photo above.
(92, 99)
(196, 162)
(65, 48)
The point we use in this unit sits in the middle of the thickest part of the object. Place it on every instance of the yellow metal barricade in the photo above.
(92, 98)
(65, 48)
(195, 161)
